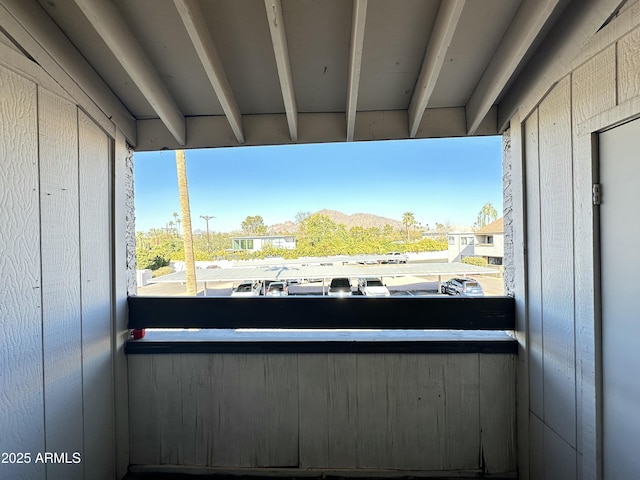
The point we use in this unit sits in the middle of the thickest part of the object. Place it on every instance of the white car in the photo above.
(395, 257)
(277, 289)
(372, 287)
(247, 288)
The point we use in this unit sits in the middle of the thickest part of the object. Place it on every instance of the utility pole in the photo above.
(206, 219)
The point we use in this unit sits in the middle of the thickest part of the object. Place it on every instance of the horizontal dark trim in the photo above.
(394, 313)
(134, 347)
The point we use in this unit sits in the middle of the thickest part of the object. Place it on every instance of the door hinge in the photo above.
(597, 193)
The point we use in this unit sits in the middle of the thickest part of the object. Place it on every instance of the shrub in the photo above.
(477, 261)
(151, 259)
(162, 271)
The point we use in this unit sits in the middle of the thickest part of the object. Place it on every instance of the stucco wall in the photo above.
(507, 199)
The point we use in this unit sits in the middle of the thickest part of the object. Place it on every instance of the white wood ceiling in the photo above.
(202, 73)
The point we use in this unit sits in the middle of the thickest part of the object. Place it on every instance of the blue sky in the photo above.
(439, 180)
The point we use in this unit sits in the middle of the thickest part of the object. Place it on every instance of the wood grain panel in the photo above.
(257, 396)
(556, 210)
(629, 66)
(593, 92)
(62, 342)
(95, 274)
(536, 448)
(215, 410)
(498, 412)
(144, 432)
(534, 265)
(414, 412)
(462, 445)
(593, 86)
(559, 457)
(405, 412)
(328, 406)
(21, 400)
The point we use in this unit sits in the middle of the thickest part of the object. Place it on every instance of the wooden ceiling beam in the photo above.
(443, 30)
(196, 27)
(528, 23)
(108, 22)
(281, 51)
(355, 63)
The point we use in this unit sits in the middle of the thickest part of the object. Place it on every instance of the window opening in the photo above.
(393, 218)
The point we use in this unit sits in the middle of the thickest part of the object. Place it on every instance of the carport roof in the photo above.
(290, 271)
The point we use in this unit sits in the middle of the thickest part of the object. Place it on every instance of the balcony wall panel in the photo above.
(440, 412)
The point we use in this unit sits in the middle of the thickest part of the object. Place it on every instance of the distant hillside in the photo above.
(366, 220)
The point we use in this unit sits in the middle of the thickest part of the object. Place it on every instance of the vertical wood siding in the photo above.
(324, 411)
(534, 280)
(556, 244)
(56, 384)
(57, 123)
(561, 279)
(593, 92)
(95, 276)
(21, 377)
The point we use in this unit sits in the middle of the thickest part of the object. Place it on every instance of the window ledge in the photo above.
(322, 341)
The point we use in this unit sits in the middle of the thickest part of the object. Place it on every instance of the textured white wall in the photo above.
(591, 92)
(56, 347)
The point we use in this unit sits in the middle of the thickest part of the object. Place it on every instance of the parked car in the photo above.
(462, 286)
(395, 257)
(372, 287)
(247, 288)
(277, 289)
(340, 287)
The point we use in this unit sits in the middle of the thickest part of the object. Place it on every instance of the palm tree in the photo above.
(408, 220)
(177, 220)
(486, 215)
(189, 261)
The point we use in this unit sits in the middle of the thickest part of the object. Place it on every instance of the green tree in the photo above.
(486, 215)
(253, 225)
(319, 235)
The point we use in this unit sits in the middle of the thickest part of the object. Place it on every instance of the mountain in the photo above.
(366, 220)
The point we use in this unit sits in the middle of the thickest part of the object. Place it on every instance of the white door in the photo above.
(620, 263)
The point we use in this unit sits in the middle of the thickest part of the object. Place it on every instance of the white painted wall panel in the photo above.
(629, 66)
(593, 91)
(324, 411)
(497, 415)
(559, 457)
(96, 297)
(536, 448)
(328, 400)
(257, 397)
(556, 210)
(21, 377)
(534, 265)
(62, 345)
(216, 410)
